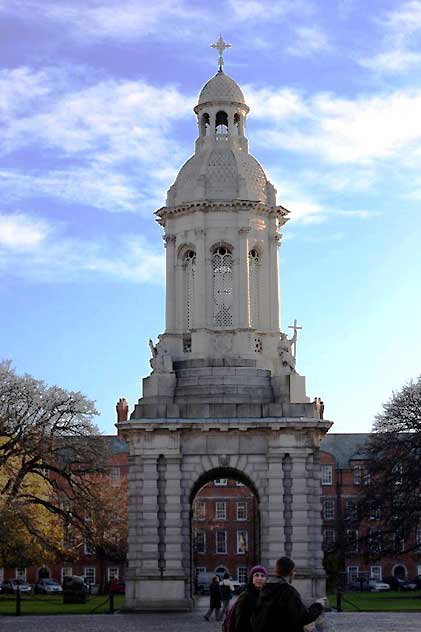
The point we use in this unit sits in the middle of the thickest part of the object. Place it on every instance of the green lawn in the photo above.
(379, 602)
(52, 604)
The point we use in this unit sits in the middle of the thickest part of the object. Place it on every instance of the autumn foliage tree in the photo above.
(49, 449)
(390, 502)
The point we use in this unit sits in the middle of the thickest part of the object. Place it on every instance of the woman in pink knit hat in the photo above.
(247, 600)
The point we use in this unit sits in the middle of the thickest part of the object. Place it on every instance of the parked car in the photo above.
(396, 583)
(417, 581)
(204, 580)
(13, 585)
(376, 586)
(75, 583)
(47, 586)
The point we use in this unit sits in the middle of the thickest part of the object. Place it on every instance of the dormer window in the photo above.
(221, 123)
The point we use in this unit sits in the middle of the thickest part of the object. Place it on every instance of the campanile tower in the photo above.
(224, 396)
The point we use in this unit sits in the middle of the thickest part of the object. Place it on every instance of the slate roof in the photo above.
(345, 446)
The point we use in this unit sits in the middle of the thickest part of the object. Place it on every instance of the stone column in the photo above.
(200, 282)
(173, 526)
(274, 532)
(316, 510)
(274, 241)
(243, 279)
(170, 289)
(300, 510)
(150, 539)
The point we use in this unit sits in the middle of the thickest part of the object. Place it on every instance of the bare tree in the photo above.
(49, 447)
(390, 501)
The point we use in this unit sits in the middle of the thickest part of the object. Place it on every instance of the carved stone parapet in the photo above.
(169, 240)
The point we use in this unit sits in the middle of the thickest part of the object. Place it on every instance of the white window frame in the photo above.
(329, 514)
(20, 573)
(202, 534)
(199, 569)
(376, 572)
(329, 537)
(224, 542)
(245, 534)
(113, 572)
(220, 510)
(221, 482)
(242, 574)
(66, 571)
(418, 539)
(239, 484)
(348, 533)
(90, 576)
(241, 508)
(199, 514)
(418, 569)
(115, 475)
(358, 474)
(352, 572)
(327, 474)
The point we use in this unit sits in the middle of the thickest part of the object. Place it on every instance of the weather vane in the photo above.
(221, 46)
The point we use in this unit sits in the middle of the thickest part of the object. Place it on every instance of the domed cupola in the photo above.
(221, 168)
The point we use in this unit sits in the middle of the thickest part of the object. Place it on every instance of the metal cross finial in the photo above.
(221, 46)
(295, 327)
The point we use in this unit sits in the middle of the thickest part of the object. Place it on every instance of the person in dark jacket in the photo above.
(214, 599)
(247, 600)
(279, 606)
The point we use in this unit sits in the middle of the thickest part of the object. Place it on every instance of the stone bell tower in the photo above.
(224, 394)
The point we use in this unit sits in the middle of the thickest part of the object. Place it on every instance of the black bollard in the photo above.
(338, 601)
(18, 606)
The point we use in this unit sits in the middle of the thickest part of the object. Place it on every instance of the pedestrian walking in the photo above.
(227, 591)
(214, 599)
(279, 607)
(240, 618)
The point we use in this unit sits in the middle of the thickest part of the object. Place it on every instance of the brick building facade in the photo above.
(225, 525)
(225, 529)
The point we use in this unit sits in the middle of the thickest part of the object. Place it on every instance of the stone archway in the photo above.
(169, 460)
(232, 562)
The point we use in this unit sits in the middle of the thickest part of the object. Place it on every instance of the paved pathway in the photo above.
(344, 622)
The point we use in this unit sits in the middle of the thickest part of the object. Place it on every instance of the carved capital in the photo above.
(169, 240)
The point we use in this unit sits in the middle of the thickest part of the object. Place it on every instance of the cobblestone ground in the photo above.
(344, 622)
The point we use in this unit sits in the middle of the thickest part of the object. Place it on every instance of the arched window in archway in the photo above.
(222, 287)
(221, 123)
(254, 274)
(189, 269)
(204, 125)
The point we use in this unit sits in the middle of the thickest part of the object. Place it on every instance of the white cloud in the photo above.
(307, 40)
(401, 28)
(33, 248)
(19, 231)
(364, 130)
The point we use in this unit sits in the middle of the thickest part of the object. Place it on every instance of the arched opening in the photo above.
(254, 274)
(399, 571)
(221, 123)
(205, 124)
(224, 528)
(43, 572)
(222, 287)
(237, 124)
(189, 272)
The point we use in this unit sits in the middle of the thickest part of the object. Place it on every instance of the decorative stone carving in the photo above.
(222, 343)
(161, 361)
(285, 353)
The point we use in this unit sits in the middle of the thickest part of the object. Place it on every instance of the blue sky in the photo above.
(96, 118)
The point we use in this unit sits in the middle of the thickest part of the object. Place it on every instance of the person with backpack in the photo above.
(214, 598)
(227, 590)
(238, 618)
(279, 606)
